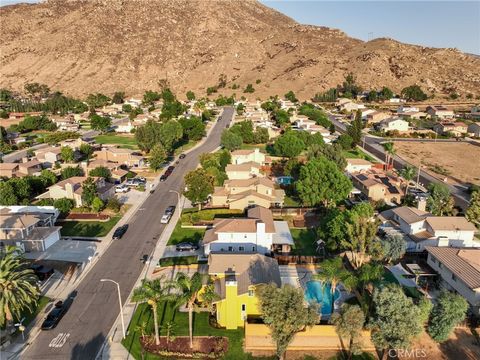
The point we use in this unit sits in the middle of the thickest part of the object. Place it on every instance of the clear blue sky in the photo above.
(429, 23)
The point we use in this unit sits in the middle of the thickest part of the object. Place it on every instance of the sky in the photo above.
(428, 23)
(453, 24)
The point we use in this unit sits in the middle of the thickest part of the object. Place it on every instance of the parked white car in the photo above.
(121, 188)
(165, 218)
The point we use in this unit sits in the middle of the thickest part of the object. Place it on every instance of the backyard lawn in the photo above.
(127, 142)
(357, 154)
(180, 234)
(304, 241)
(192, 215)
(89, 228)
(201, 327)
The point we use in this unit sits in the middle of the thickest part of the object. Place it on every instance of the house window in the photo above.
(245, 236)
(434, 260)
(241, 248)
(253, 248)
(244, 307)
(230, 248)
(440, 265)
(454, 278)
(250, 292)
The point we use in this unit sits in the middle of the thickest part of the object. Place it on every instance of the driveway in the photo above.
(170, 251)
(132, 197)
(67, 250)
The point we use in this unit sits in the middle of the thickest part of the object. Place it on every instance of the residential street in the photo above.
(84, 328)
(372, 145)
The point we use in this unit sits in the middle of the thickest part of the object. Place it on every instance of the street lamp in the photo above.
(119, 302)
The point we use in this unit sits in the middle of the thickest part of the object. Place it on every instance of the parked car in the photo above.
(119, 232)
(140, 179)
(186, 246)
(163, 177)
(170, 169)
(165, 218)
(56, 314)
(42, 272)
(182, 156)
(170, 210)
(121, 188)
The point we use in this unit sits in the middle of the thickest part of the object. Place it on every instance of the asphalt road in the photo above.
(84, 328)
(19, 154)
(372, 145)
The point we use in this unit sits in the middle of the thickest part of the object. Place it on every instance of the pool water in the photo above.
(315, 291)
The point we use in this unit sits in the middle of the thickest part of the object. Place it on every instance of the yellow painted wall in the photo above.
(229, 310)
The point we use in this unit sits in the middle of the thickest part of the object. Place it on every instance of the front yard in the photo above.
(180, 234)
(180, 260)
(167, 313)
(123, 141)
(89, 228)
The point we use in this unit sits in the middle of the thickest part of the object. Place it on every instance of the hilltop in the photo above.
(80, 47)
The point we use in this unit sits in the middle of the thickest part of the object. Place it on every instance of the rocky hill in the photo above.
(80, 47)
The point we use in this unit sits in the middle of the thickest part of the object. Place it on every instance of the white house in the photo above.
(459, 270)
(440, 111)
(393, 124)
(255, 233)
(424, 229)
(124, 126)
(133, 102)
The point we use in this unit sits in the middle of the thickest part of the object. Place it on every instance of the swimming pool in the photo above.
(316, 292)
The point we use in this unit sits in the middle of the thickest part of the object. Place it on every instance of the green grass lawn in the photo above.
(304, 241)
(201, 327)
(127, 142)
(291, 201)
(192, 215)
(30, 315)
(180, 234)
(181, 260)
(357, 154)
(89, 228)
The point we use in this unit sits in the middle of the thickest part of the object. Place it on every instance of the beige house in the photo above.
(73, 143)
(247, 156)
(71, 188)
(393, 124)
(243, 171)
(8, 170)
(456, 128)
(440, 111)
(121, 156)
(27, 168)
(244, 193)
(118, 174)
(30, 228)
(356, 165)
(48, 156)
(376, 116)
(376, 186)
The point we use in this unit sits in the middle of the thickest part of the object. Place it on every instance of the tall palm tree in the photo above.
(152, 292)
(188, 288)
(389, 150)
(408, 173)
(208, 297)
(332, 272)
(18, 289)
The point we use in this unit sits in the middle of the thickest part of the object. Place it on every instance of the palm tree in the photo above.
(208, 297)
(333, 273)
(408, 173)
(153, 292)
(18, 289)
(389, 151)
(188, 294)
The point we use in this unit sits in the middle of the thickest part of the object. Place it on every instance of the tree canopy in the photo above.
(440, 202)
(449, 310)
(199, 185)
(413, 93)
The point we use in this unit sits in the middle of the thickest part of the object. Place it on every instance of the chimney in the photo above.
(260, 227)
(69, 190)
(422, 204)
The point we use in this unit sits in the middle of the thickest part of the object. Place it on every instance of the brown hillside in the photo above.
(80, 47)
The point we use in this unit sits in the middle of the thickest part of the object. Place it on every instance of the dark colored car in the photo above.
(170, 210)
(186, 246)
(42, 272)
(163, 177)
(140, 180)
(56, 314)
(170, 169)
(119, 232)
(182, 156)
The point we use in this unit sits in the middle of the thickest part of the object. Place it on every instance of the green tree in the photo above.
(473, 212)
(368, 274)
(450, 309)
(350, 88)
(393, 247)
(153, 292)
(101, 171)
(245, 130)
(150, 97)
(193, 128)
(64, 205)
(413, 93)
(158, 155)
(67, 154)
(22, 188)
(283, 311)
(332, 272)
(70, 171)
(86, 150)
(361, 240)
(18, 289)
(89, 191)
(7, 194)
(408, 173)
(170, 132)
(97, 100)
(114, 204)
(48, 177)
(440, 202)
(231, 140)
(118, 97)
(288, 145)
(321, 182)
(240, 109)
(190, 95)
(260, 136)
(189, 288)
(349, 324)
(100, 123)
(386, 93)
(425, 306)
(345, 141)
(148, 135)
(330, 152)
(199, 185)
(355, 129)
(291, 96)
(127, 108)
(372, 96)
(396, 320)
(97, 204)
(280, 117)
